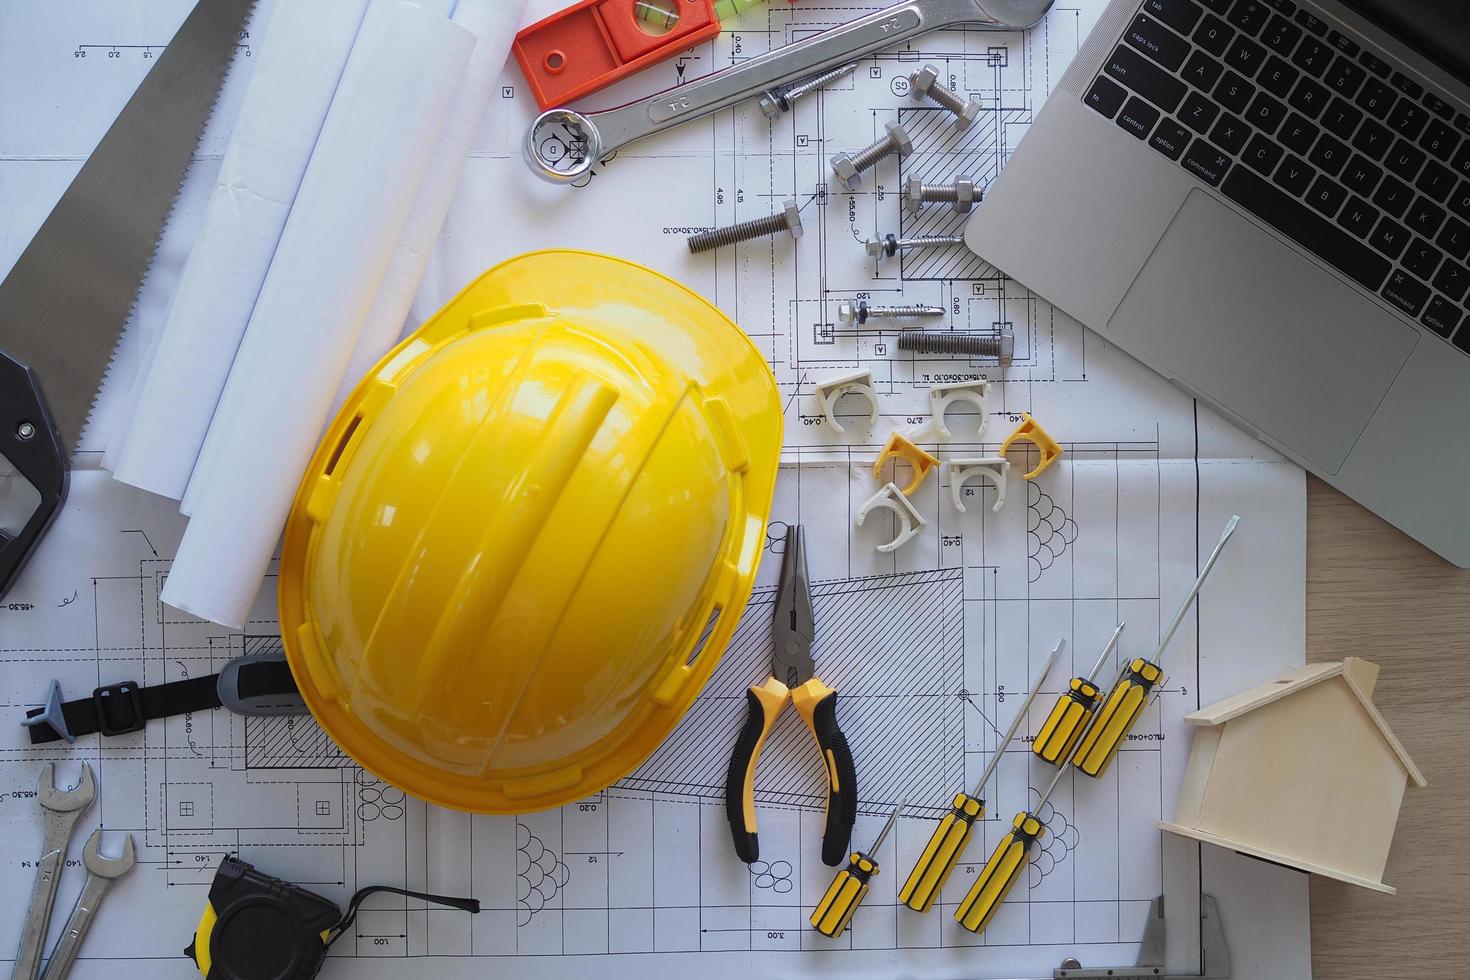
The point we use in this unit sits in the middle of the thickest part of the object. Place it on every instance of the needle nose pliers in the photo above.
(793, 680)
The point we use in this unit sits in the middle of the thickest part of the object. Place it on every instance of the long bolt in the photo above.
(1001, 345)
(779, 99)
(849, 166)
(962, 194)
(924, 83)
(860, 312)
(788, 220)
(890, 245)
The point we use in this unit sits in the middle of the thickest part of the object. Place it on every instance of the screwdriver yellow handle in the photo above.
(1068, 719)
(1124, 703)
(941, 853)
(844, 895)
(999, 874)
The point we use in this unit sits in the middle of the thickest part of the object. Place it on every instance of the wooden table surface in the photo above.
(1374, 593)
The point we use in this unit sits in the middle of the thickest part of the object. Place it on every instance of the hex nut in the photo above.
(845, 172)
(793, 217)
(914, 194)
(875, 249)
(770, 104)
(900, 138)
(963, 119)
(922, 80)
(965, 196)
(847, 312)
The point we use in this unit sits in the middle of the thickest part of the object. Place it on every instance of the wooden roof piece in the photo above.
(1360, 677)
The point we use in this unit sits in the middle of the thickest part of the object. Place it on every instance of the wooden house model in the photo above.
(1302, 771)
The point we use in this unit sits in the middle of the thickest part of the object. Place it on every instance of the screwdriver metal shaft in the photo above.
(834, 912)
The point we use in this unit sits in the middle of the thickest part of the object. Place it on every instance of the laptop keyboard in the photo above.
(1314, 134)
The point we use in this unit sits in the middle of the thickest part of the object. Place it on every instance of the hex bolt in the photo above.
(788, 220)
(924, 83)
(779, 99)
(962, 194)
(1001, 345)
(890, 245)
(859, 313)
(849, 166)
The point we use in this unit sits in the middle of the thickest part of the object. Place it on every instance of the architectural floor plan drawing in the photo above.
(931, 647)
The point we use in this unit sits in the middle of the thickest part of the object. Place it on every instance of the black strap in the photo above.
(470, 905)
(119, 709)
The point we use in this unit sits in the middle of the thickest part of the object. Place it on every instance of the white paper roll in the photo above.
(301, 59)
(374, 149)
(494, 23)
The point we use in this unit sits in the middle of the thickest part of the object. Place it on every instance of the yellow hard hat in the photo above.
(523, 544)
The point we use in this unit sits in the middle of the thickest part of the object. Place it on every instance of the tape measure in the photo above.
(258, 927)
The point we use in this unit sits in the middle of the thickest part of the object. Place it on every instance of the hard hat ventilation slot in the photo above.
(342, 443)
(705, 634)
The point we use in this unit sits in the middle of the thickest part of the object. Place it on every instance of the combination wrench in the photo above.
(597, 135)
(62, 810)
(102, 871)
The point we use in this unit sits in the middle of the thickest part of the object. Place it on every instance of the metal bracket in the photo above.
(1214, 953)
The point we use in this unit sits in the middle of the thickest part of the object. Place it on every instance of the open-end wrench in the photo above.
(599, 134)
(101, 873)
(62, 809)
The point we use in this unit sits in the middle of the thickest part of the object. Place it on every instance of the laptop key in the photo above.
(1106, 96)
(1422, 258)
(1144, 77)
(1202, 71)
(1307, 228)
(1361, 176)
(1453, 280)
(1376, 98)
(1406, 292)
(1390, 238)
(1298, 134)
(1329, 155)
(1373, 63)
(1424, 217)
(1181, 15)
(1309, 98)
(1314, 24)
(1344, 78)
(1158, 42)
(1206, 162)
(1442, 316)
(1249, 15)
(1436, 181)
(1341, 118)
(1460, 200)
(1461, 162)
(1245, 56)
(1198, 113)
(1393, 196)
(1277, 77)
(1440, 140)
(1265, 113)
(1312, 57)
(1358, 217)
(1170, 139)
(1234, 92)
(1404, 159)
(1454, 238)
(1438, 106)
(1261, 155)
(1406, 85)
(1294, 175)
(1373, 140)
(1214, 35)
(1138, 118)
(1343, 43)
(1230, 133)
(1408, 118)
(1221, 7)
(1281, 35)
(1326, 195)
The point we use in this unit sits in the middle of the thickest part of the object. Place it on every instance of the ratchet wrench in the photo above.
(62, 810)
(598, 135)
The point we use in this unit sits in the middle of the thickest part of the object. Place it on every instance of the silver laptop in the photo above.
(1268, 201)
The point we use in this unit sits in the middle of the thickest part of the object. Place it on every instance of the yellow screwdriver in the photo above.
(850, 887)
(1005, 865)
(1126, 701)
(1070, 715)
(948, 841)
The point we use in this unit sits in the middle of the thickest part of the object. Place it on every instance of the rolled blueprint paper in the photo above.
(494, 23)
(375, 146)
(301, 58)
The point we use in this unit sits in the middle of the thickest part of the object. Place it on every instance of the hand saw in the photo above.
(67, 298)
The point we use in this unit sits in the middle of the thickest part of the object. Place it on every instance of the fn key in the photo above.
(1106, 96)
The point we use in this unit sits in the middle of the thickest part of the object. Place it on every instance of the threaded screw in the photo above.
(849, 166)
(890, 245)
(1001, 345)
(924, 83)
(860, 312)
(788, 220)
(779, 99)
(962, 194)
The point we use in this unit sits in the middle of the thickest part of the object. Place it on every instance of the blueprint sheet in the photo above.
(932, 647)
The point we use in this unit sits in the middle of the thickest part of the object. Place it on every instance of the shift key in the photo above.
(1145, 78)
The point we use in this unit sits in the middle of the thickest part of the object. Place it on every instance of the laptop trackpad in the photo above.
(1246, 321)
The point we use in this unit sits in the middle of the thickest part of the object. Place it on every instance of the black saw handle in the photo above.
(31, 444)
